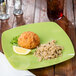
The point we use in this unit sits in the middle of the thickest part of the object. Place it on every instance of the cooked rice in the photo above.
(48, 51)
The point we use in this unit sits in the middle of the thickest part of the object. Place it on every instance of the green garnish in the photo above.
(14, 41)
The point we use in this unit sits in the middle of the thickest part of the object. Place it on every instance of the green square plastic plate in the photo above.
(47, 31)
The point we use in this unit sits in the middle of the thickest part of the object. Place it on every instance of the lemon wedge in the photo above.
(20, 50)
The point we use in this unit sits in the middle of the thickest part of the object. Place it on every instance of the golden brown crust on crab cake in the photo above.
(28, 40)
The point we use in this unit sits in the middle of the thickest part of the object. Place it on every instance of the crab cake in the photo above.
(28, 40)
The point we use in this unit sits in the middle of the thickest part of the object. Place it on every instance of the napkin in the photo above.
(7, 70)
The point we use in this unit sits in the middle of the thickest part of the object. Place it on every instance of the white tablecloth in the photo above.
(7, 70)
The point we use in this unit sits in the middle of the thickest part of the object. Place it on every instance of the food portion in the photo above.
(48, 51)
(28, 40)
(20, 50)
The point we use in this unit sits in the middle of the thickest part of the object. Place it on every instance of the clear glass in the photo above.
(4, 10)
(55, 9)
(18, 7)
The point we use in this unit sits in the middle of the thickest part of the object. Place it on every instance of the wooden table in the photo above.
(35, 11)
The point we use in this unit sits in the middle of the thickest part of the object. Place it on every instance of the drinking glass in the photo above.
(4, 10)
(18, 7)
(55, 9)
